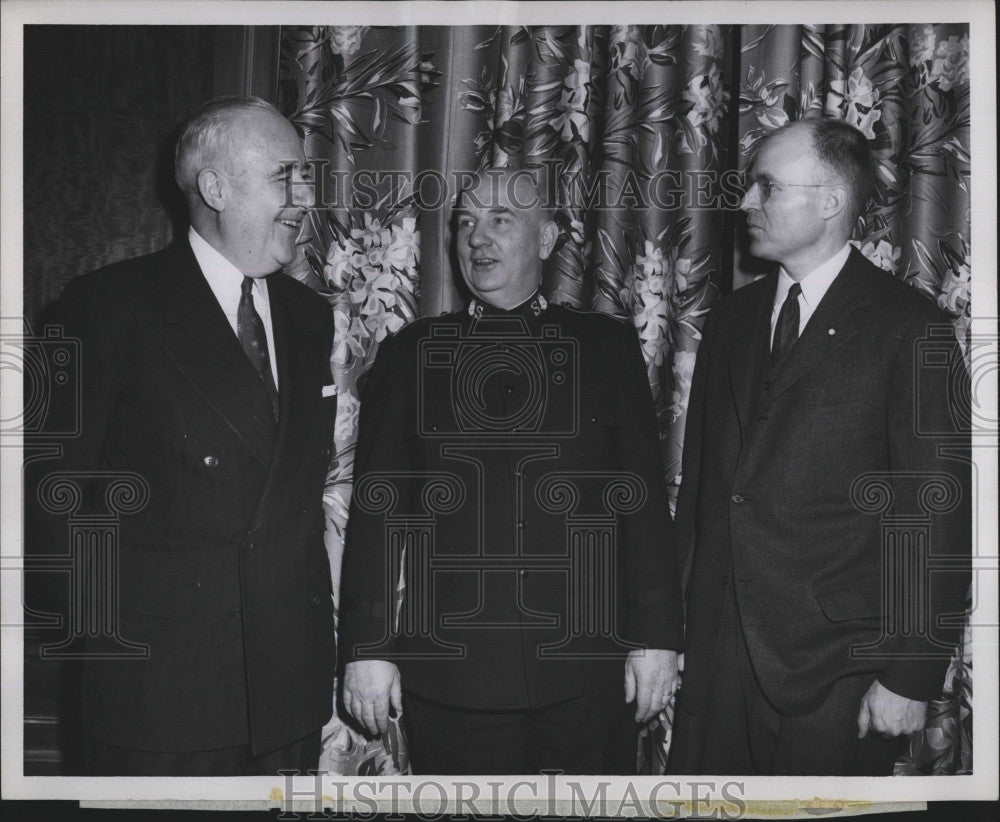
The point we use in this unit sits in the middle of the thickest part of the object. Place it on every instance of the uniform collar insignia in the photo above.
(534, 306)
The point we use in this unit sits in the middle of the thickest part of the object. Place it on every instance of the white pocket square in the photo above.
(330, 390)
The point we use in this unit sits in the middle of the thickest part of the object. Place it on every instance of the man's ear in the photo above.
(835, 200)
(548, 234)
(211, 188)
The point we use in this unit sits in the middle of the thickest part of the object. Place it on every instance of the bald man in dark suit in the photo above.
(809, 384)
(203, 373)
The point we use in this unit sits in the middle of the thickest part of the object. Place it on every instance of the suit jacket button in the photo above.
(767, 385)
(211, 461)
(317, 601)
(237, 614)
(737, 499)
(594, 418)
(725, 580)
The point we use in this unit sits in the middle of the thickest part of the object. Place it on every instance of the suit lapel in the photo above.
(749, 350)
(833, 323)
(198, 337)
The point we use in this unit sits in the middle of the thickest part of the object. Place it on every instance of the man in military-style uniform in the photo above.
(508, 467)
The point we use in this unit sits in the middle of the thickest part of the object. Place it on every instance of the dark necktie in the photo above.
(786, 330)
(250, 330)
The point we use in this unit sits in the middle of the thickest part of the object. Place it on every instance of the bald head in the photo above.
(845, 155)
(240, 165)
(216, 136)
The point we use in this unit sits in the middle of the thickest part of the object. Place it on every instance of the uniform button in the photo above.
(509, 389)
(767, 385)
(522, 574)
(522, 524)
(248, 544)
(737, 499)
(210, 460)
(594, 418)
(514, 430)
(518, 475)
(434, 428)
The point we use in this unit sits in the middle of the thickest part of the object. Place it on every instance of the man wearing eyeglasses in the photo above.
(814, 639)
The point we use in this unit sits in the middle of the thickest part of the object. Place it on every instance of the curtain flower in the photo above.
(884, 254)
(860, 98)
(922, 42)
(346, 40)
(951, 62)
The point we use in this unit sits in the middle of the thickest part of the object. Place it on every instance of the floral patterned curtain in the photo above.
(646, 127)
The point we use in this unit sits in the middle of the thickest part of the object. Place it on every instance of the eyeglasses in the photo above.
(768, 187)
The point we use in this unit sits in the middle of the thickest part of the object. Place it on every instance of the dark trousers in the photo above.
(591, 734)
(103, 759)
(738, 732)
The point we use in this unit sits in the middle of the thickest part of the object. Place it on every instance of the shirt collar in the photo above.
(223, 277)
(816, 282)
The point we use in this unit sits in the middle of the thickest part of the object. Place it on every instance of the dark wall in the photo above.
(101, 104)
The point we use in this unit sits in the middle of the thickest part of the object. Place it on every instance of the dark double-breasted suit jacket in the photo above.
(223, 572)
(519, 451)
(800, 480)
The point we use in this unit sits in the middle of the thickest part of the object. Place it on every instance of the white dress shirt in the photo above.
(814, 287)
(226, 282)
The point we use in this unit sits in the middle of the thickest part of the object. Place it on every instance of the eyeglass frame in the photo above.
(766, 187)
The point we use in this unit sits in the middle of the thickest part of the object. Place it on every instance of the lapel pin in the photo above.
(831, 331)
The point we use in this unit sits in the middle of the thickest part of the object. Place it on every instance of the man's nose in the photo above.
(751, 197)
(304, 196)
(479, 236)
(303, 189)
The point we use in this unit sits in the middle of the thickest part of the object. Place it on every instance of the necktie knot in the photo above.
(247, 286)
(794, 291)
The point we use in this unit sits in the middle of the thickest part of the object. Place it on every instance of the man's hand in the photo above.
(650, 679)
(889, 714)
(370, 686)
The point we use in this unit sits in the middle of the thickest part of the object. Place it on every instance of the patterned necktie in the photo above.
(250, 330)
(786, 330)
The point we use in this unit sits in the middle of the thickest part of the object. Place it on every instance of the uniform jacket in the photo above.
(520, 449)
(223, 573)
(787, 475)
